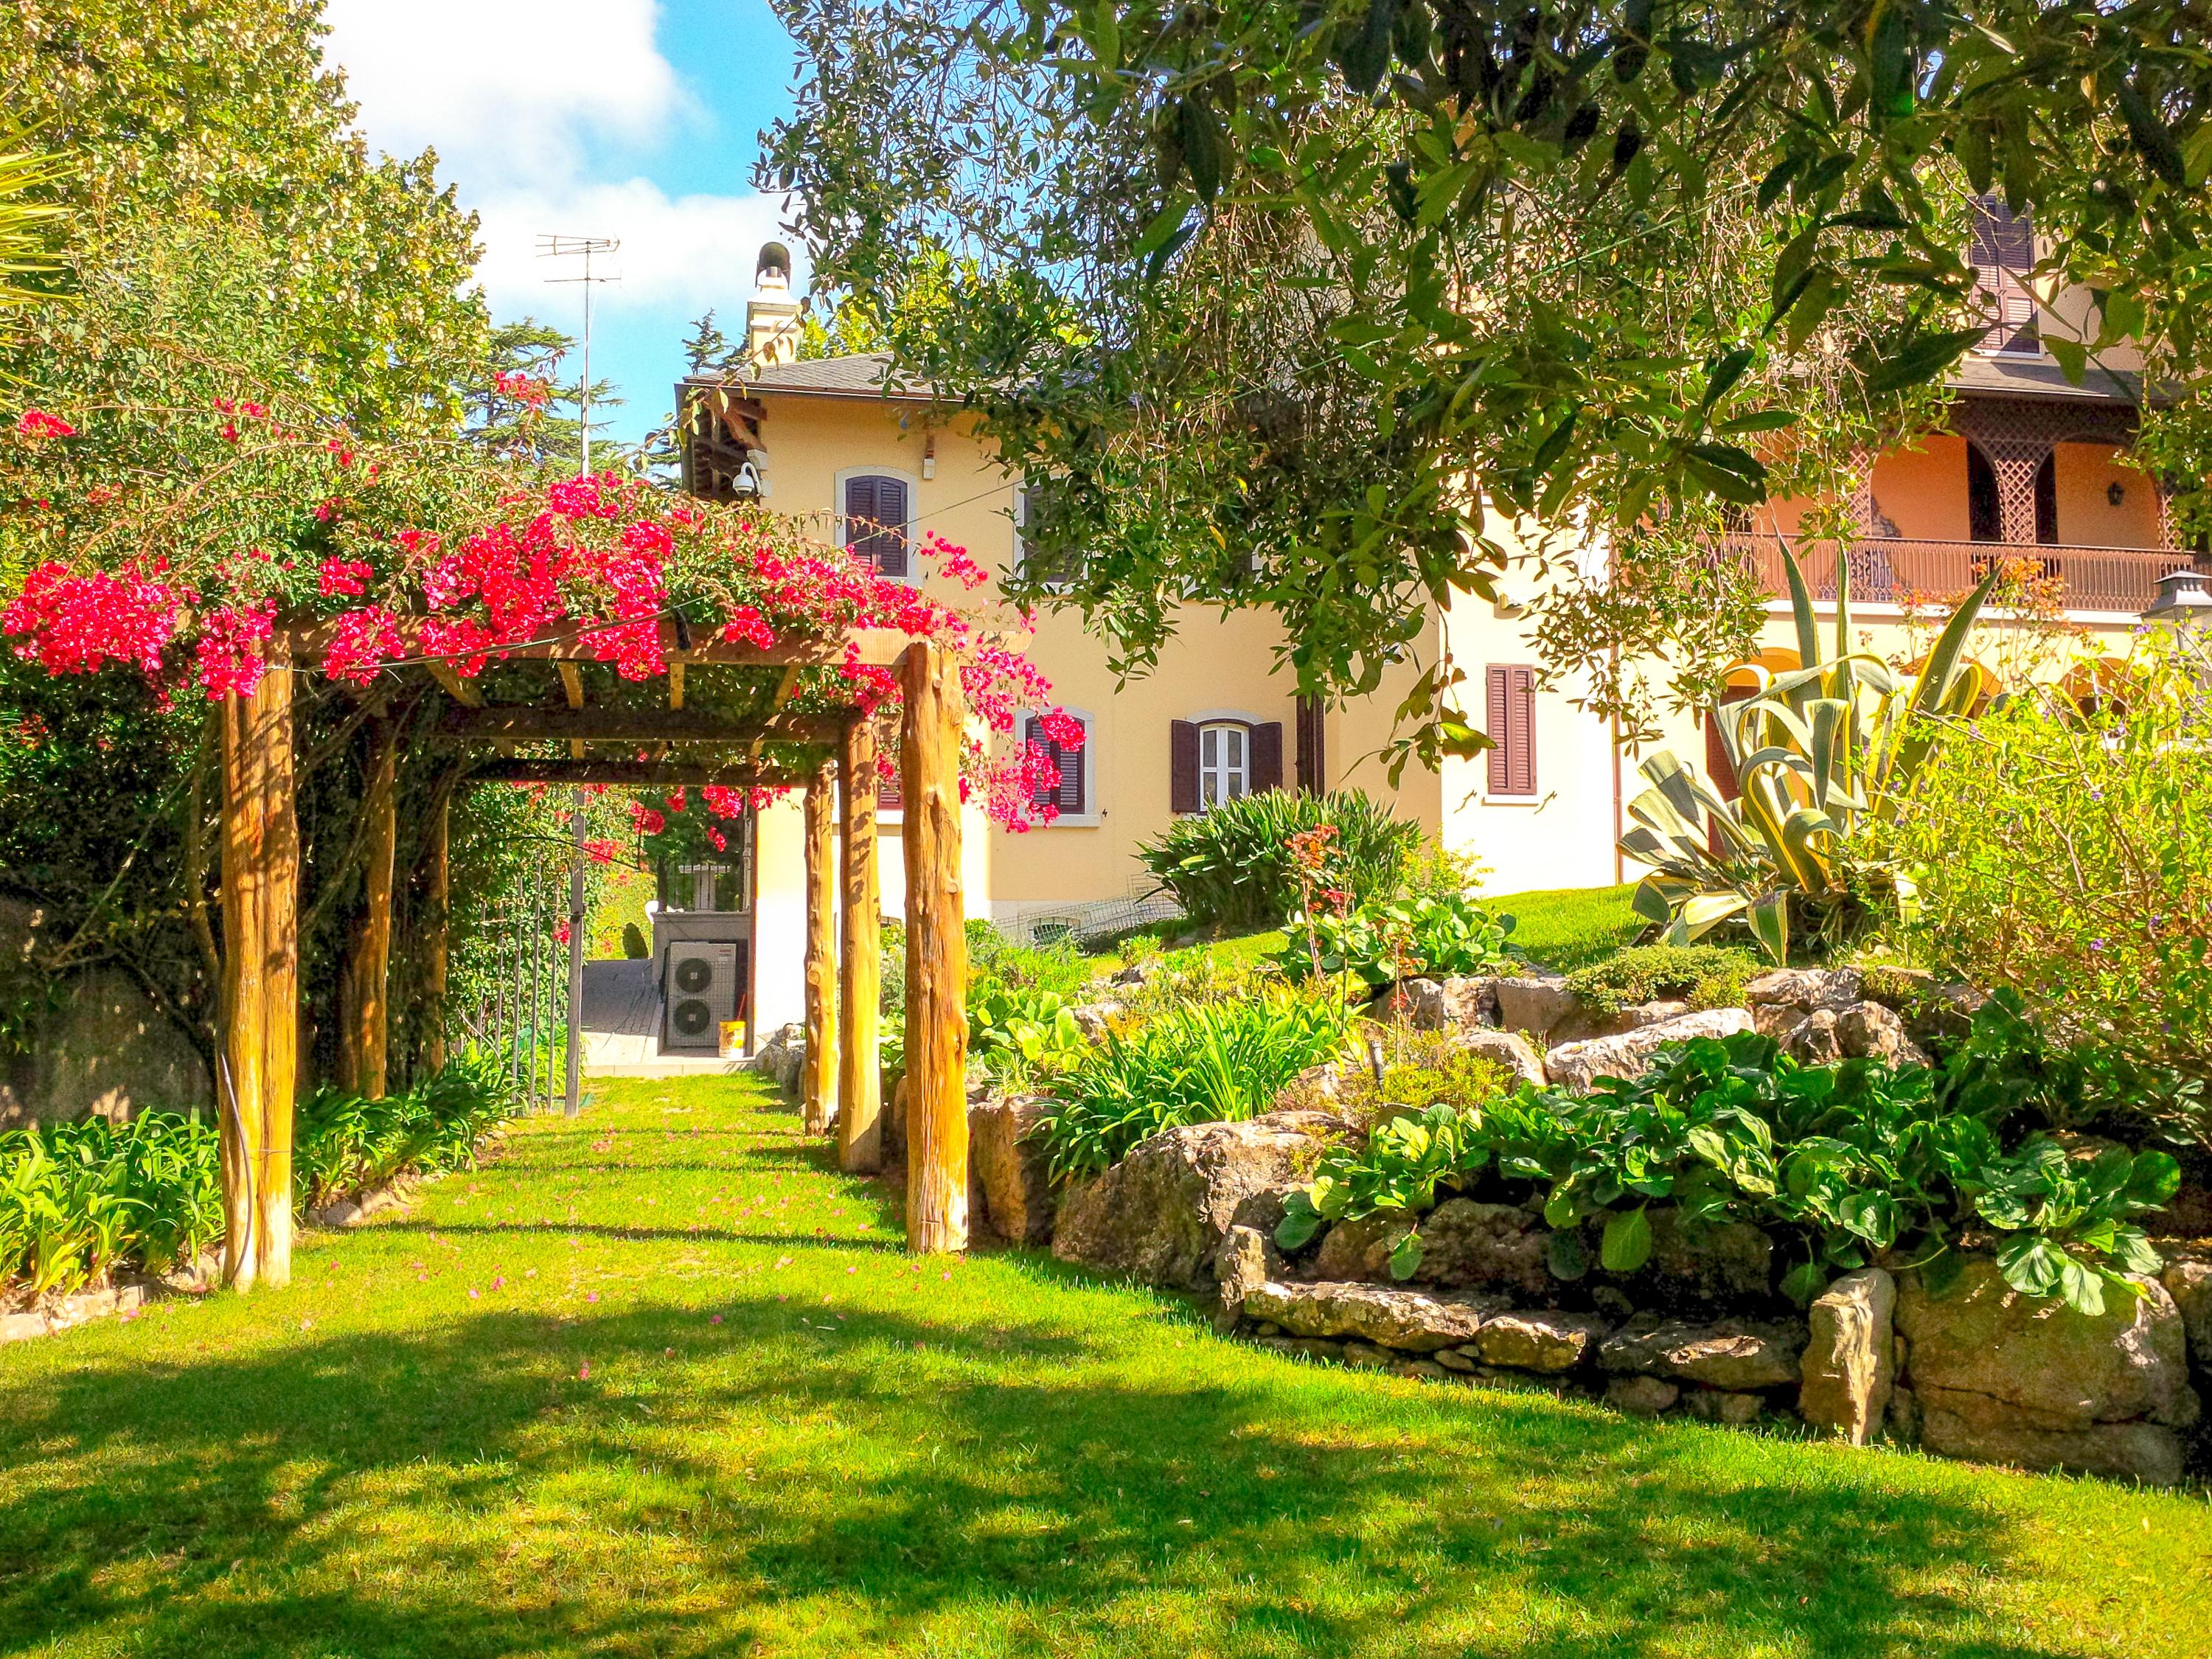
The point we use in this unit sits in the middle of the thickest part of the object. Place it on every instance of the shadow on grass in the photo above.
(1046, 1492)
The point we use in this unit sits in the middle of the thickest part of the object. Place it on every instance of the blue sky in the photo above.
(629, 119)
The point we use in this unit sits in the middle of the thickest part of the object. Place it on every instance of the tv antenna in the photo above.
(567, 247)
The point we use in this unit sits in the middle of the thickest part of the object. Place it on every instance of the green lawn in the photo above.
(1570, 928)
(660, 1383)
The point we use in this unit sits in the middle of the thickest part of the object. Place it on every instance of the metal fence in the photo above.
(522, 1013)
(1887, 569)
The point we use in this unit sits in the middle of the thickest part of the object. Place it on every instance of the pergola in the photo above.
(723, 714)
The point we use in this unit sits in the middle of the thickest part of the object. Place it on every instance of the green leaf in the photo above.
(1566, 1254)
(2153, 1180)
(1920, 360)
(1405, 1256)
(1626, 1245)
(1804, 1282)
(1300, 1222)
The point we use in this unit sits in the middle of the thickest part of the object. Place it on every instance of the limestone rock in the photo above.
(1161, 1212)
(1803, 989)
(1812, 1039)
(1540, 1342)
(1511, 1050)
(1867, 1030)
(1577, 1065)
(2054, 1368)
(2188, 1280)
(1732, 1354)
(1721, 1263)
(1718, 1405)
(1366, 1357)
(1137, 972)
(1849, 1367)
(1588, 1023)
(1641, 1396)
(1413, 1322)
(1490, 1246)
(1452, 1359)
(1966, 1425)
(1245, 1261)
(1095, 1019)
(1010, 1165)
(1358, 1250)
(1533, 1003)
(1429, 1005)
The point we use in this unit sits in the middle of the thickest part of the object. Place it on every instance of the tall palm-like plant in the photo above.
(1821, 755)
(27, 225)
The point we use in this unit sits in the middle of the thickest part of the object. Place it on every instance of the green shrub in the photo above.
(79, 1200)
(1420, 1069)
(1018, 1038)
(1847, 1163)
(2068, 857)
(1704, 975)
(1199, 1063)
(1230, 865)
(1432, 934)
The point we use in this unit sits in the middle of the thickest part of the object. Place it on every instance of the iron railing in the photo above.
(1897, 571)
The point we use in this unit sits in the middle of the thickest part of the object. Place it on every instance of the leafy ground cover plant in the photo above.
(1231, 866)
(80, 1200)
(1020, 1038)
(1198, 1063)
(1416, 1069)
(1704, 975)
(1846, 1163)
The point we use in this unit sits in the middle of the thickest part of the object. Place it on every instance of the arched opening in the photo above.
(1986, 684)
(2098, 688)
(1984, 506)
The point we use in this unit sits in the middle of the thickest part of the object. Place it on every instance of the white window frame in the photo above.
(1093, 815)
(1205, 717)
(912, 577)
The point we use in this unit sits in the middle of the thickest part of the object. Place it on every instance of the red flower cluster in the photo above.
(77, 624)
(362, 642)
(601, 852)
(345, 578)
(524, 389)
(229, 647)
(954, 562)
(37, 423)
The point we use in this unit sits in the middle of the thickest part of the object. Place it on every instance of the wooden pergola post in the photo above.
(818, 1080)
(859, 1070)
(260, 989)
(936, 954)
(437, 943)
(364, 1039)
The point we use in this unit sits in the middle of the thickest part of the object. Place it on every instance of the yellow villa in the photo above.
(2031, 467)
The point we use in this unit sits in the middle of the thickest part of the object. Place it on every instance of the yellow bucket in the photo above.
(734, 1039)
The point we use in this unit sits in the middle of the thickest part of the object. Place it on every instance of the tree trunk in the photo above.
(260, 925)
(936, 954)
(860, 1072)
(819, 1078)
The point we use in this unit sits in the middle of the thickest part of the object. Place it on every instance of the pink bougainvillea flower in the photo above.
(37, 423)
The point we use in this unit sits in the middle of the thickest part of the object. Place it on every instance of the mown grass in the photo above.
(1570, 927)
(660, 1382)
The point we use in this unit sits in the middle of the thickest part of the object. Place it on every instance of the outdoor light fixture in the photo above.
(2115, 492)
(2183, 600)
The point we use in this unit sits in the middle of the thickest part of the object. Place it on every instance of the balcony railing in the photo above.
(1895, 570)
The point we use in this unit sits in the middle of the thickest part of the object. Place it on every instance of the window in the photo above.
(1069, 788)
(2001, 252)
(878, 512)
(1055, 572)
(1512, 701)
(1218, 756)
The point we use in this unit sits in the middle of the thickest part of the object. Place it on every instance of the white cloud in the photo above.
(693, 251)
(508, 91)
(518, 98)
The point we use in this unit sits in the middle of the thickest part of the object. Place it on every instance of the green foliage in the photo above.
(2066, 856)
(1570, 927)
(1231, 866)
(1848, 1164)
(993, 960)
(1431, 934)
(1821, 755)
(1420, 1069)
(1020, 1037)
(79, 1200)
(1704, 975)
(1200, 1063)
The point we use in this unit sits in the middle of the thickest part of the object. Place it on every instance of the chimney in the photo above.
(771, 315)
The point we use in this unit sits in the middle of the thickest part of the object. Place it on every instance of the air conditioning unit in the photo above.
(701, 991)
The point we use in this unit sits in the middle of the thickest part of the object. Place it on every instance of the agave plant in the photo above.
(1821, 755)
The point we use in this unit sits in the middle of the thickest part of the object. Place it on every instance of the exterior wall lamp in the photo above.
(2115, 492)
(2182, 601)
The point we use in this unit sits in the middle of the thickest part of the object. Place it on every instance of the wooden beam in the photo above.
(572, 684)
(460, 691)
(260, 983)
(936, 954)
(879, 647)
(437, 946)
(818, 1079)
(859, 1060)
(605, 724)
(365, 1013)
(639, 774)
(676, 684)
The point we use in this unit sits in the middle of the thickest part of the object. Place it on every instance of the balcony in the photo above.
(1894, 570)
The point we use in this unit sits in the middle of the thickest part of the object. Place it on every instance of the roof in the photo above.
(859, 375)
(1996, 374)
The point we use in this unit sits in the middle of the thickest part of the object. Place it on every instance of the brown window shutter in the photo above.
(1182, 767)
(1522, 723)
(1267, 757)
(1496, 723)
(1066, 792)
(875, 522)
